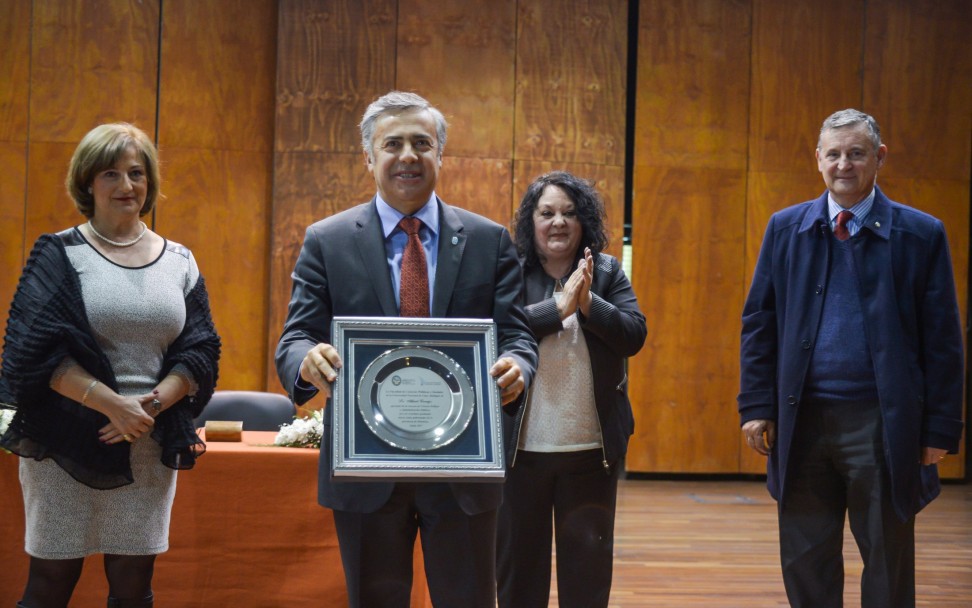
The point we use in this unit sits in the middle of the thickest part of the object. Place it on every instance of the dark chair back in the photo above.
(259, 411)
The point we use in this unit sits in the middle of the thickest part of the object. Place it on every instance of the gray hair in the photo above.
(395, 102)
(851, 117)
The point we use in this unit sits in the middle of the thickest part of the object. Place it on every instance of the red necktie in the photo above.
(840, 229)
(413, 290)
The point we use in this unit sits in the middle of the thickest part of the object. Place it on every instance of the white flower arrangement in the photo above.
(302, 432)
(6, 416)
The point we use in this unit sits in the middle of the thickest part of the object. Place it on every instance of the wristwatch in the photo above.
(156, 407)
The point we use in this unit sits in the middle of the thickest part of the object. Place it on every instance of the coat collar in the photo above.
(452, 244)
(370, 241)
(878, 220)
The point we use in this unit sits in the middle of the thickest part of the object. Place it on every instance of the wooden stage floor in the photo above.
(714, 543)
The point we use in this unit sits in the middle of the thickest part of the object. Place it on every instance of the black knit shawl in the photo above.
(47, 322)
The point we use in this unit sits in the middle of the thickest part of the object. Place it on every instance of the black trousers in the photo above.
(571, 494)
(837, 466)
(459, 550)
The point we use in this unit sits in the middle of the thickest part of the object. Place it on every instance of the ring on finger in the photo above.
(128, 438)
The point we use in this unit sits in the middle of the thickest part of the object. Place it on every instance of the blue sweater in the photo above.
(841, 368)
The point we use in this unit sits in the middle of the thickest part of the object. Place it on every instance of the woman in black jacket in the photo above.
(566, 443)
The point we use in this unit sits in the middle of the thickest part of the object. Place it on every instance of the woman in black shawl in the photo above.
(109, 353)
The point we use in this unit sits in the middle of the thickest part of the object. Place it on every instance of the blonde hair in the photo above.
(99, 150)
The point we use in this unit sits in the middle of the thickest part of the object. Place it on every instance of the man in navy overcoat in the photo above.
(851, 372)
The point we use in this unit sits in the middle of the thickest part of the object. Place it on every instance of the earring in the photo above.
(89, 190)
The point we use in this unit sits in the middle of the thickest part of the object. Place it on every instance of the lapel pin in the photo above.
(455, 240)
(877, 224)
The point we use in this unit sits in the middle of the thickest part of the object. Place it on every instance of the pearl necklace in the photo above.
(116, 243)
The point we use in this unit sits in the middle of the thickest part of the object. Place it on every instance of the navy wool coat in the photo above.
(911, 322)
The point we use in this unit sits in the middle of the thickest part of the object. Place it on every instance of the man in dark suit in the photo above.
(351, 264)
(851, 372)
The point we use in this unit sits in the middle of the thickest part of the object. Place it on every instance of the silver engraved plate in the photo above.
(416, 398)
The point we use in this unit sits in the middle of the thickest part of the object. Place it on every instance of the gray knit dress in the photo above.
(135, 313)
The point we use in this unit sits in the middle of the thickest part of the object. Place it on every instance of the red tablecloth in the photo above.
(246, 532)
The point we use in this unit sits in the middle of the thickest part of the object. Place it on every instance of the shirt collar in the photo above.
(860, 210)
(389, 216)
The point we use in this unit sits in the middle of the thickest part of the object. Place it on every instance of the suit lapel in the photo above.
(371, 247)
(452, 243)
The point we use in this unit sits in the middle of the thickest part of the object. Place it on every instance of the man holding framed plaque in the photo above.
(362, 262)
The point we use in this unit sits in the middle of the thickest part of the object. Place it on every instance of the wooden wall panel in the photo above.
(91, 62)
(13, 171)
(333, 59)
(218, 71)
(918, 85)
(14, 70)
(217, 204)
(49, 208)
(730, 98)
(688, 226)
(688, 277)
(216, 139)
(440, 46)
(693, 84)
(571, 75)
(805, 65)
(14, 95)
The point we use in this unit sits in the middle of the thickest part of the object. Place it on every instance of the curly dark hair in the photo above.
(587, 203)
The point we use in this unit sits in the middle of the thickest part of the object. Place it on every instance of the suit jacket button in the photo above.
(819, 290)
(805, 345)
(791, 399)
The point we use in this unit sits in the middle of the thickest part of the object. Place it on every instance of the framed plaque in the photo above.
(415, 401)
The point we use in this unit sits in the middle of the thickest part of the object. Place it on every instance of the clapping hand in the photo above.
(577, 290)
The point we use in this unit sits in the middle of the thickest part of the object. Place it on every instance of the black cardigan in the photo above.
(614, 330)
(47, 323)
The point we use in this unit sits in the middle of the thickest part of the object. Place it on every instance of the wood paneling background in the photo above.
(687, 233)
(207, 91)
(14, 101)
(256, 106)
(218, 70)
